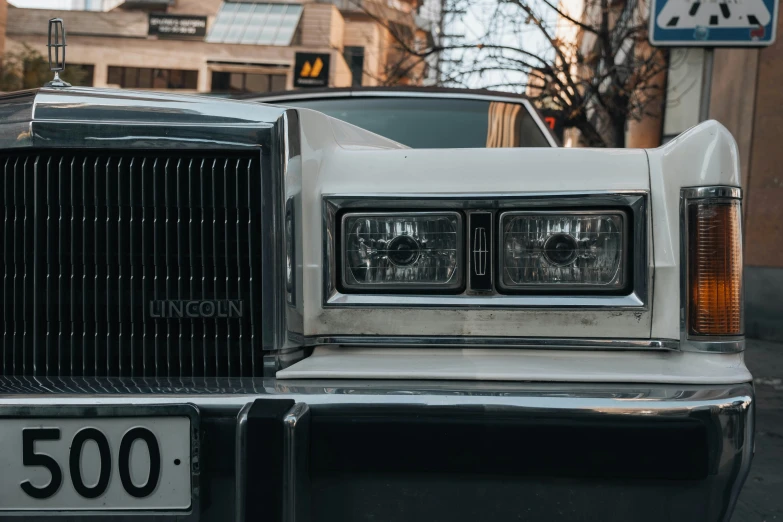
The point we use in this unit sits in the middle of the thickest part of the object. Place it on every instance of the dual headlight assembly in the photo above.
(484, 251)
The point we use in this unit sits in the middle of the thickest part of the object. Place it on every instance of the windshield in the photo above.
(435, 123)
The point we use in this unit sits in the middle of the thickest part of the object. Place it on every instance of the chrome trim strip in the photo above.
(702, 344)
(295, 453)
(637, 299)
(106, 118)
(282, 275)
(718, 191)
(485, 301)
(240, 464)
(497, 342)
(744, 448)
(409, 94)
(708, 345)
(570, 396)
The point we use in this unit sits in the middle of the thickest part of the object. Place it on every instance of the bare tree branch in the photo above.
(594, 68)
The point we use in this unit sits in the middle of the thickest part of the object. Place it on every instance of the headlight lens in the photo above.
(402, 250)
(567, 250)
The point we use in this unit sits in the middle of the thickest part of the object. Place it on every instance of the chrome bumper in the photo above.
(403, 450)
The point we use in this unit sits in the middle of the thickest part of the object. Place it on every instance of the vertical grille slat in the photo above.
(255, 335)
(7, 264)
(110, 178)
(121, 312)
(227, 267)
(215, 262)
(127, 264)
(134, 249)
(31, 317)
(167, 209)
(20, 261)
(45, 275)
(77, 211)
(204, 205)
(51, 312)
(240, 212)
(156, 258)
(87, 211)
(95, 254)
(180, 252)
(192, 249)
(146, 265)
(62, 259)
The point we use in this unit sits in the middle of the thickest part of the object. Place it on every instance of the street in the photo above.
(762, 496)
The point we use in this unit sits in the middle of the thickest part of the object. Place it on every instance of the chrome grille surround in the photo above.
(76, 120)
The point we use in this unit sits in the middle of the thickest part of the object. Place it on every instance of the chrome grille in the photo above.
(91, 239)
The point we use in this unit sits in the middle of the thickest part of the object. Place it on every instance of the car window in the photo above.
(427, 123)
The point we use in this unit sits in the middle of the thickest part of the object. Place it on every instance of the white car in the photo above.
(217, 310)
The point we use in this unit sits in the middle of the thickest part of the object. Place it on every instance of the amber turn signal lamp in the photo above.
(714, 281)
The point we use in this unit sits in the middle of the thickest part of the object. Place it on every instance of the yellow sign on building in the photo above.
(311, 69)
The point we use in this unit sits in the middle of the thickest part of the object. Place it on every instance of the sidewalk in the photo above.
(762, 497)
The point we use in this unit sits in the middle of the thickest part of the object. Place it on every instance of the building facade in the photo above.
(230, 46)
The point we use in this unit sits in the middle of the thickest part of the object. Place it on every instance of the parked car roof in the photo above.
(399, 90)
(403, 92)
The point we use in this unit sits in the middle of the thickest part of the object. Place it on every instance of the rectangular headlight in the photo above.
(563, 250)
(402, 251)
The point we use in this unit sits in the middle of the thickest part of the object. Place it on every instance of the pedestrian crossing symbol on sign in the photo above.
(713, 23)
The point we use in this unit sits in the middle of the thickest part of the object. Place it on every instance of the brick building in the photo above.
(229, 46)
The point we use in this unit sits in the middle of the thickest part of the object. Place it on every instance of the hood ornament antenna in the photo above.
(56, 47)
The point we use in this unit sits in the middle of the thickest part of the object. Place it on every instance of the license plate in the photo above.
(99, 459)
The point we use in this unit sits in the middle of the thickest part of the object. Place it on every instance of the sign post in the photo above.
(710, 24)
(706, 84)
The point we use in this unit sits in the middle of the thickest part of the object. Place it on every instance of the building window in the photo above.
(354, 57)
(255, 23)
(247, 82)
(148, 78)
(79, 74)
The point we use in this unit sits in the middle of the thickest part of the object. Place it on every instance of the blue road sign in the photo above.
(713, 23)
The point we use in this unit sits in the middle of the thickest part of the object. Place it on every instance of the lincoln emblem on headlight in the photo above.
(480, 238)
(480, 250)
